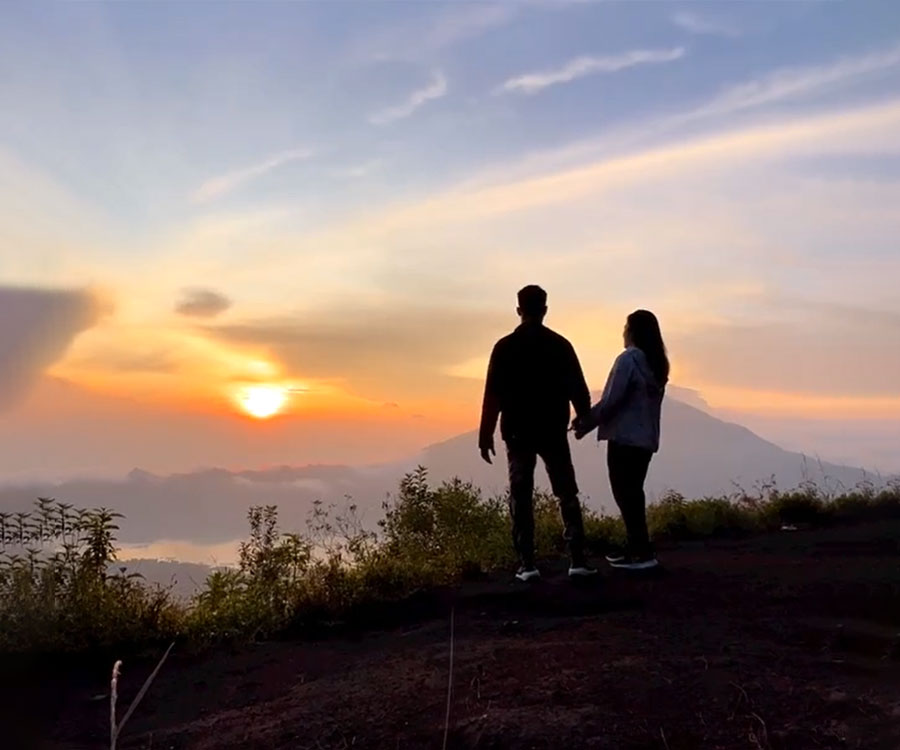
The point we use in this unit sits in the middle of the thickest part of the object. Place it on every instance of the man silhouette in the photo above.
(533, 376)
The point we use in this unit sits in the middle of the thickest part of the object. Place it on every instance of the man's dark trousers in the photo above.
(522, 454)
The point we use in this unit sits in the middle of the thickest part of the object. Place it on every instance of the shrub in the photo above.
(602, 532)
(887, 501)
(444, 531)
(805, 505)
(675, 518)
(548, 526)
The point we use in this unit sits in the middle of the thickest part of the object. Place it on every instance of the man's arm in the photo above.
(579, 393)
(490, 408)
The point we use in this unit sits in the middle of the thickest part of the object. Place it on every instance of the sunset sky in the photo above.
(336, 202)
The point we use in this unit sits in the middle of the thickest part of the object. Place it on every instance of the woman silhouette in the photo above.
(628, 416)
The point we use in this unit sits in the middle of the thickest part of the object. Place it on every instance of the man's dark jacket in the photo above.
(533, 376)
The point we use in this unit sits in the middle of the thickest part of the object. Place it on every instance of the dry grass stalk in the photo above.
(115, 728)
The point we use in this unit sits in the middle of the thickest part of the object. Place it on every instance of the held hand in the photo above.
(487, 450)
(580, 428)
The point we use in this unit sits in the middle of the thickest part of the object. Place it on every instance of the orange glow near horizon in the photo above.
(194, 374)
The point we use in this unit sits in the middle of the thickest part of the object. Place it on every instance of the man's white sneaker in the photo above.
(528, 574)
(582, 571)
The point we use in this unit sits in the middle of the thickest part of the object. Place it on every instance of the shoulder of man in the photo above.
(505, 341)
(557, 338)
(503, 347)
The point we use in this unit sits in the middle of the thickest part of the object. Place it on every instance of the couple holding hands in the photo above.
(533, 377)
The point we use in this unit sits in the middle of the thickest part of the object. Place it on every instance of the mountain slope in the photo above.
(700, 455)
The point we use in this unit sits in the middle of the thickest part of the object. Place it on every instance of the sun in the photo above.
(263, 401)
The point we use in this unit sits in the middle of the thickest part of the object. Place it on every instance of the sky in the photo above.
(324, 209)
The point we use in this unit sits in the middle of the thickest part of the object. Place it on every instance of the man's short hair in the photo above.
(532, 300)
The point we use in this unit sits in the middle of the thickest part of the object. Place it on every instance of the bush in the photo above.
(56, 592)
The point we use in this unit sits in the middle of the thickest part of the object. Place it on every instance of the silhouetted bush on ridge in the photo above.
(57, 595)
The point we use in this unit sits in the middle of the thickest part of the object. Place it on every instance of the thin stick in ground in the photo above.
(115, 728)
(449, 680)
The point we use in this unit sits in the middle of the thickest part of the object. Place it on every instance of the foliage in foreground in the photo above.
(57, 592)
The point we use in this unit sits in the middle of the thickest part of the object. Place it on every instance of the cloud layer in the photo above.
(812, 349)
(403, 352)
(36, 328)
(798, 81)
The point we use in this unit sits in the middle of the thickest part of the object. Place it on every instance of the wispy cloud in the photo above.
(786, 83)
(357, 171)
(466, 23)
(418, 40)
(697, 24)
(216, 187)
(434, 90)
(586, 65)
(202, 303)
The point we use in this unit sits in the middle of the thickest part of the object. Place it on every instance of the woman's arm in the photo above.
(614, 394)
(615, 391)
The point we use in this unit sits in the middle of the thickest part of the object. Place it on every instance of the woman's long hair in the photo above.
(643, 330)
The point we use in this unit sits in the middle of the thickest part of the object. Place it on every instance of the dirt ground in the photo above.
(784, 641)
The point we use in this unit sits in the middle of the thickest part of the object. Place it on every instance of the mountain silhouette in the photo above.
(700, 456)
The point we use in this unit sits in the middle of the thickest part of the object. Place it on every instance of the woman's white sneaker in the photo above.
(635, 563)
